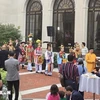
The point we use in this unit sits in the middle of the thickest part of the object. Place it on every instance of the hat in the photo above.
(22, 42)
(38, 41)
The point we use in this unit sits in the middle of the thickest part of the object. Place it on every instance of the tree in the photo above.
(9, 32)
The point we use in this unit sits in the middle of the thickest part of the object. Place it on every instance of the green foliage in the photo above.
(3, 76)
(1, 98)
(9, 32)
(55, 61)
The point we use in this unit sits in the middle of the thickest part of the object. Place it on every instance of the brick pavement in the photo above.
(34, 81)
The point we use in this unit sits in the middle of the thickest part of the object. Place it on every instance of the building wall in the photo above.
(8, 12)
(14, 11)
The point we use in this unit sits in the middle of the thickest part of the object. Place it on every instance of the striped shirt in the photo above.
(71, 71)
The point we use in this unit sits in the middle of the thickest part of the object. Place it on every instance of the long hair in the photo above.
(54, 89)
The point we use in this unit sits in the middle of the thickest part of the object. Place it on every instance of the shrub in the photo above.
(9, 32)
(3, 76)
(1, 98)
(55, 61)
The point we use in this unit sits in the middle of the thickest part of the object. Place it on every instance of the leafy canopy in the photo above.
(9, 32)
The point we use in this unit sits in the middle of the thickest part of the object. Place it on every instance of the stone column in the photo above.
(46, 20)
(80, 22)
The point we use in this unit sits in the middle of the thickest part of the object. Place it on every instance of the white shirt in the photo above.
(49, 56)
(84, 51)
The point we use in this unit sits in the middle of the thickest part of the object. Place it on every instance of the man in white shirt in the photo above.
(84, 50)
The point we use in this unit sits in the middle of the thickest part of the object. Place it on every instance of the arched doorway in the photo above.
(93, 37)
(34, 19)
(63, 22)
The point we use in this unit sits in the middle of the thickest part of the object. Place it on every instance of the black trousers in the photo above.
(16, 88)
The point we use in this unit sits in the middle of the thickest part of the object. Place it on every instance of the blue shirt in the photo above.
(59, 59)
(80, 69)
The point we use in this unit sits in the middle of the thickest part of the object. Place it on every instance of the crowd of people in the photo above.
(80, 60)
(26, 53)
(55, 94)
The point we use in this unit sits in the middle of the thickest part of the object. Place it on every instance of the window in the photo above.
(63, 23)
(94, 25)
(34, 19)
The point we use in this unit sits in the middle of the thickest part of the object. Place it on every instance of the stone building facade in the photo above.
(72, 20)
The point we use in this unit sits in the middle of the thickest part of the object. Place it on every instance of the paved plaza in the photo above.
(35, 86)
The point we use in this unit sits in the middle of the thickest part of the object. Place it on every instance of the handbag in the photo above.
(62, 77)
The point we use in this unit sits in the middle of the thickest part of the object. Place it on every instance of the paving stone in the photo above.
(34, 81)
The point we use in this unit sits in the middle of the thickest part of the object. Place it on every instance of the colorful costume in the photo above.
(30, 56)
(61, 59)
(91, 61)
(38, 58)
(30, 53)
(49, 62)
(22, 54)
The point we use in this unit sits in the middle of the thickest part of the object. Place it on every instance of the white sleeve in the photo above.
(46, 56)
(87, 50)
(47, 96)
(52, 58)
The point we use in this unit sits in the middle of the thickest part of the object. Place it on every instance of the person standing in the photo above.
(90, 60)
(38, 58)
(82, 70)
(49, 61)
(30, 55)
(78, 53)
(12, 67)
(22, 54)
(3, 57)
(84, 50)
(61, 58)
(70, 73)
(17, 49)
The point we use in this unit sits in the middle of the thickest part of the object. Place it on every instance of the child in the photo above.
(62, 94)
(49, 61)
(61, 58)
(53, 94)
(38, 58)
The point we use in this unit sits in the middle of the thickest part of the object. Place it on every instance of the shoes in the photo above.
(49, 75)
(23, 67)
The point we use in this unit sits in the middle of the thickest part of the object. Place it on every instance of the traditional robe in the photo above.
(38, 63)
(49, 62)
(30, 53)
(91, 61)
